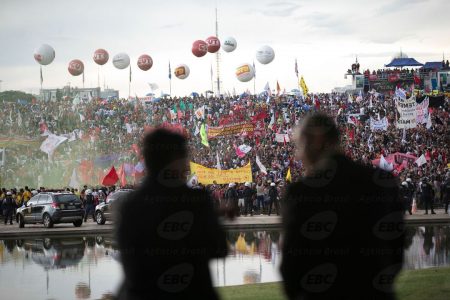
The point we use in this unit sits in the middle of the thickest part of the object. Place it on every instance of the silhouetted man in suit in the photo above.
(343, 222)
(166, 232)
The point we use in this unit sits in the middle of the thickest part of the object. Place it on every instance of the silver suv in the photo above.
(104, 211)
(50, 208)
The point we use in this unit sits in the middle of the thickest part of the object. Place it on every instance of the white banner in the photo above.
(281, 138)
(379, 124)
(51, 143)
(422, 111)
(421, 160)
(407, 113)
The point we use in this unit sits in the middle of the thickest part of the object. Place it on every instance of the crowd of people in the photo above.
(102, 133)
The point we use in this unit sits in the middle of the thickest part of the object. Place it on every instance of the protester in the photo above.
(179, 233)
(334, 246)
(8, 208)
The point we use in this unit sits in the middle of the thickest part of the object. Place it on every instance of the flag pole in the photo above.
(170, 81)
(212, 80)
(98, 76)
(254, 79)
(42, 78)
(129, 85)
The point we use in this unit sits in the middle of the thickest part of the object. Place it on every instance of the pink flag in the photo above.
(239, 153)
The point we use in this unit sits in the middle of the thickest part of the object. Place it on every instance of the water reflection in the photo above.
(427, 246)
(88, 267)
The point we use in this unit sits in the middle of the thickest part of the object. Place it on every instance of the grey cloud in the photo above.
(389, 37)
(327, 22)
(395, 6)
(279, 9)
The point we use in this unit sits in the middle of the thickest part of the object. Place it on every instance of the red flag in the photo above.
(121, 173)
(351, 134)
(260, 116)
(111, 178)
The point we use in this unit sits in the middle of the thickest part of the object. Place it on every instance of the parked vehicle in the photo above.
(54, 253)
(51, 208)
(104, 211)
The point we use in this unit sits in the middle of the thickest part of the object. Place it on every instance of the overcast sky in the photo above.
(324, 35)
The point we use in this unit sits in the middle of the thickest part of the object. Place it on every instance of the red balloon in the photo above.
(213, 44)
(145, 62)
(101, 56)
(199, 48)
(76, 67)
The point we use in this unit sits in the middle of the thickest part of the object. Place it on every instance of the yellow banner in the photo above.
(208, 176)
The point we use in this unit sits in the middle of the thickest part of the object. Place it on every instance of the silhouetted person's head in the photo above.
(165, 151)
(316, 138)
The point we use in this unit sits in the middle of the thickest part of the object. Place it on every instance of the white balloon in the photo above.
(44, 55)
(265, 55)
(229, 44)
(245, 72)
(121, 60)
(182, 71)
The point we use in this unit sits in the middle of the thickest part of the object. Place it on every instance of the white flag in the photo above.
(197, 131)
(272, 120)
(350, 98)
(245, 148)
(384, 165)
(74, 183)
(129, 129)
(267, 89)
(3, 154)
(369, 143)
(260, 165)
(200, 112)
(218, 165)
(429, 124)
(421, 160)
(192, 181)
(51, 143)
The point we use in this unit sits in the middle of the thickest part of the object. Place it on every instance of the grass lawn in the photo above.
(431, 284)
